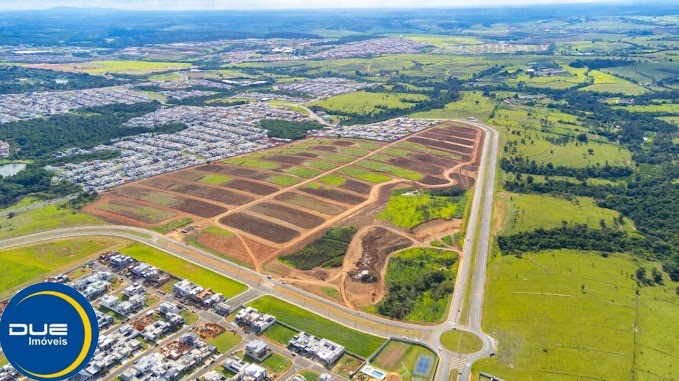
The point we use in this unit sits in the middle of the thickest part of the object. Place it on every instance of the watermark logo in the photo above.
(49, 331)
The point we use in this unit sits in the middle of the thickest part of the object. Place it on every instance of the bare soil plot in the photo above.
(334, 195)
(434, 159)
(142, 213)
(187, 174)
(230, 246)
(356, 186)
(416, 165)
(433, 142)
(217, 194)
(259, 227)
(235, 170)
(324, 148)
(251, 187)
(449, 138)
(343, 143)
(288, 214)
(433, 180)
(310, 203)
(286, 159)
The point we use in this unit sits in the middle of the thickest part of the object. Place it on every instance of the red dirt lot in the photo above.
(310, 203)
(324, 148)
(231, 247)
(287, 214)
(449, 138)
(259, 227)
(201, 208)
(335, 195)
(416, 166)
(251, 187)
(159, 183)
(456, 130)
(433, 180)
(286, 159)
(134, 211)
(187, 174)
(356, 186)
(434, 160)
(433, 141)
(307, 154)
(464, 156)
(216, 194)
(342, 143)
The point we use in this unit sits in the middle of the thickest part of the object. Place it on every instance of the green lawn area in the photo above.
(399, 357)
(461, 342)
(409, 211)
(358, 342)
(32, 263)
(309, 375)
(276, 364)
(365, 175)
(472, 103)
(215, 179)
(131, 67)
(183, 269)
(363, 102)
(172, 225)
(225, 341)
(556, 313)
(279, 334)
(189, 317)
(527, 212)
(46, 218)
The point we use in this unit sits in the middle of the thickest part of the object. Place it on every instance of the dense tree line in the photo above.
(519, 164)
(32, 180)
(43, 137)
(599, 63)
(284, 129)
(47, 80)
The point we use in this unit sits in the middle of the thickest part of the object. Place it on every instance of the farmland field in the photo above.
(557, 312)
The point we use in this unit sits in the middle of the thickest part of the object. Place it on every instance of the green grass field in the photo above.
(409, 211)
(461, 342)
(363, 102)
(215, 179)
(131, 67)
(334, 180)
(282, 180)
(471, 104)
(279, 334)
(401, 358)
(41, 219)
(556, 313)
(184, 269)
(358, 342)
(32, 263)
(225, 341)
(527, 212)
(172, 225)
(364, 175)
(605, 82)
(391, 170)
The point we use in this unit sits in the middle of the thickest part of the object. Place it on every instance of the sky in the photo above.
(269, 4)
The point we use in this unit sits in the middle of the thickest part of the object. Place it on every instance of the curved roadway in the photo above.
(259, 284)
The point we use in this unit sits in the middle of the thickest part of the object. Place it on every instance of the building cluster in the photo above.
(193, 293)
(373, 47)
(213, 133)
(4, 149)
(179, 95)
(322, 350)
(185, 84)
(324, 87)
(113, 349)
(94, 285)
(34, 105)
(388, 130)
(263, 97)
(244, 370)
(172, 362)
(254, 320)
(499, 48)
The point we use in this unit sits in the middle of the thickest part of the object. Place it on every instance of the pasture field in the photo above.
(527, 212)
(670, 108)
(557, 312)
(545, 147)
(472, 103)
(605, 82)
(401, 358)
(561, 81)
(671, 119)
(461, 342)
(357, 342)
(33, 263)
(442, 41)
(41, 219)
(183, 269)
(131, 67)
(363, 102)
(411, 210)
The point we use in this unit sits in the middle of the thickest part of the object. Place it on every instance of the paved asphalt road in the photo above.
(259, 284)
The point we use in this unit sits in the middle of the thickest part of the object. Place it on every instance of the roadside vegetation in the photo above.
(409, 208)
(328, 251)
